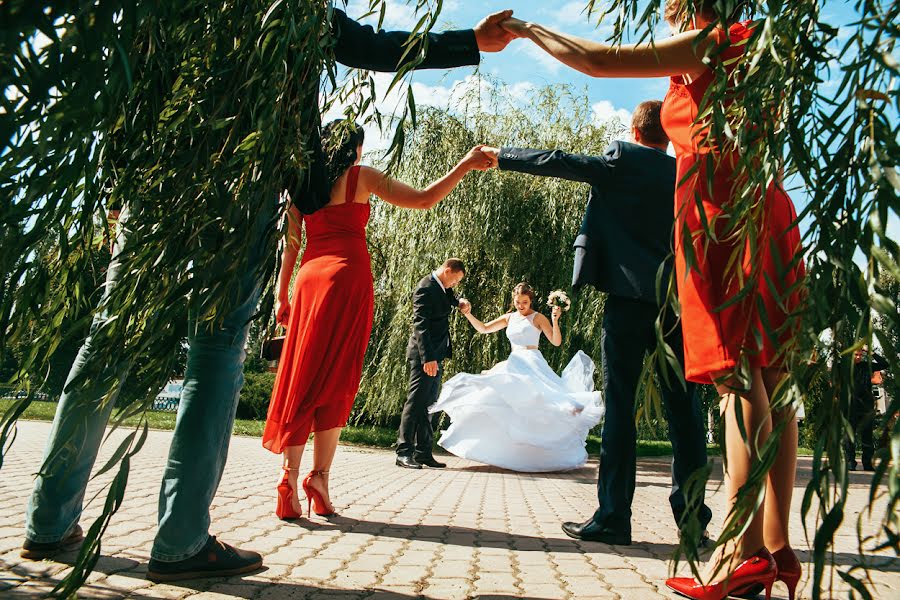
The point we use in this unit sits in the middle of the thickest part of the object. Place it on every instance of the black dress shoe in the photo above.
(41, 550)
(590, 531)
(407, 462)
(216, 559)
(867, 466)
(430, 462)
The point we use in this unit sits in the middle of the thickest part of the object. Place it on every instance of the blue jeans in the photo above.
(212, 385)
(627, 335)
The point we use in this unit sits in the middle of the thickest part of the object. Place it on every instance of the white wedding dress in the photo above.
(520, 415)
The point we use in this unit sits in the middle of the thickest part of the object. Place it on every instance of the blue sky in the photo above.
(522, 66)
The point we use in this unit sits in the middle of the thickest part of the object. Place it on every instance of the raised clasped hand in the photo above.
(515, 27)
(476, 159)
(493, 154)
(465, 307)
(556, 313)
(490, 36)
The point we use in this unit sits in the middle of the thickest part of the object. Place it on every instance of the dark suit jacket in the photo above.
(863, 399)
(626, 232)
(430, 338)
(361, 47)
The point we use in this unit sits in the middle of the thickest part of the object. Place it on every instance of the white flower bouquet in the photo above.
(560, 299)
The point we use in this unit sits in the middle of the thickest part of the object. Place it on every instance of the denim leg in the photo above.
(685, 425)
(624, 342)
(56, 501)
(212, 384)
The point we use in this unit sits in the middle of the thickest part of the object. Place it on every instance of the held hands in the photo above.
(282, 312)
(515, 27)
(490, 36)
(493, 154)
(476, 160)
(465, 307)
(430, 368)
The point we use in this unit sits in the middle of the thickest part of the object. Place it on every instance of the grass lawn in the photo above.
(376, 437)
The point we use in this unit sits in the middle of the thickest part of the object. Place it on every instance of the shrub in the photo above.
(255, 395)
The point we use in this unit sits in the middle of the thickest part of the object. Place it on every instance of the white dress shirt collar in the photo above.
(438, 279)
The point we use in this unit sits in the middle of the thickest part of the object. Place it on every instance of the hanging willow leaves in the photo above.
(823, 99)
(190, 116)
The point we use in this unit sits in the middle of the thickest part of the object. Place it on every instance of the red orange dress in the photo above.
(715, 338)
(329, 326)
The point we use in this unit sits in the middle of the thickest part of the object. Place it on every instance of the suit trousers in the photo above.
(627, 335)
(416, 433)
(862, 420)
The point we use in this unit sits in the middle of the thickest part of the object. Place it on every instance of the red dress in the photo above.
(716, 338)
(329, 326)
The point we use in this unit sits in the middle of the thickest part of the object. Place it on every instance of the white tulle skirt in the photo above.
(520, 415)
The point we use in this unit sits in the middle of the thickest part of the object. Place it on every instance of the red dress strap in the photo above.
(352, 179)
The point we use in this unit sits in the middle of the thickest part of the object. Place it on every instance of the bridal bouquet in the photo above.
(560, 299)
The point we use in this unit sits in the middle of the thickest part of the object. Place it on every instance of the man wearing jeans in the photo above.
(183, 548)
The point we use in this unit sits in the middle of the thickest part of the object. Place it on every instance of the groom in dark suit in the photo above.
(429, 344)
(624, 241)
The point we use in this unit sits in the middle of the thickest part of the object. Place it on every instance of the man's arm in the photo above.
(878, 362)
(554, 163)
(421, 313)
(454, 301)
(362, 47)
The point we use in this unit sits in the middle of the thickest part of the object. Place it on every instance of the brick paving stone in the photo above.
(469, 531)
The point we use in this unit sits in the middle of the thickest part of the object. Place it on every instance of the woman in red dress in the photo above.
(724, 345)
(330, 317)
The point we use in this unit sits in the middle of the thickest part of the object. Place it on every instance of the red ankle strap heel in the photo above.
(284, 507)
(315, 500)
(759, 569)
(789, 569)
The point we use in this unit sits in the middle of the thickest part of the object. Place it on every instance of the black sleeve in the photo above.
(878, 362)
(454, 301)
(361, 47)
(556, 163)
(421, 313)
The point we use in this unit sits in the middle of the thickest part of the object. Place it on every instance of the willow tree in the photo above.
(192, 114)
(840, 141)
(196, 113)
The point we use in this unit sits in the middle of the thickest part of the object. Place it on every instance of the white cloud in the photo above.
(604, 111)
(454, 95)
(400, 15)
(571, 13)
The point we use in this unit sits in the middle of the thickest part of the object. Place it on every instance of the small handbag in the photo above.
(271, 348)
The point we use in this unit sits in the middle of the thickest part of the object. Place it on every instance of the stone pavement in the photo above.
(469, 531)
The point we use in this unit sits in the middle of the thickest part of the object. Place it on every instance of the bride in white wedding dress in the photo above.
(520, 415)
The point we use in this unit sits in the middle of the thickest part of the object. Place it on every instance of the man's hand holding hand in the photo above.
(490, 36)
(430, 368)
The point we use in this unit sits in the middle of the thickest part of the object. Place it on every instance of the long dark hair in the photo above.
(340, 139)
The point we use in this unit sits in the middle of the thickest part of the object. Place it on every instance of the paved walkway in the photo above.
(469, 531)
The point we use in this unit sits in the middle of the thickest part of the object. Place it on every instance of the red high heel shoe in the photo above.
(284, 508)
(315, 500)
(759, 569)
(789, 569)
